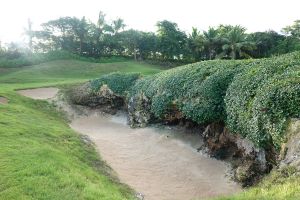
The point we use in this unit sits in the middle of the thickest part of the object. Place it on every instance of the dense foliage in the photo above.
(260, 100)
(255, 98)
(118, 82)
(168, 45)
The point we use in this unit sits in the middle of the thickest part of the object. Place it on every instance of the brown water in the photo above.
(160, 163)
(156, 162)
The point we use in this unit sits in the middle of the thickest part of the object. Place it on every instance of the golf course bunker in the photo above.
(3, 100)
(159, 163)
(39, 93)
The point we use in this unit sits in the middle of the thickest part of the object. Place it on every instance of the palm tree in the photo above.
(118, 25)
(211, 38)
(196, 43)
(236, 43)
(101, 20)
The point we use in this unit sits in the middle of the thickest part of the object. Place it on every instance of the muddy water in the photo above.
(156, 162)
(160, 163)
(39, 93)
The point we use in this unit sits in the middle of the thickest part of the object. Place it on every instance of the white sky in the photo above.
(255, 15)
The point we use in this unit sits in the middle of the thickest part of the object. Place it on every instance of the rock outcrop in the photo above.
(290, 151)
(139, 114)
(104, 98)
(249, 162)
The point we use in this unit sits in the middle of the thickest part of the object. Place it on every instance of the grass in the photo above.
(279, 185)
(69, 71)
(40, 156)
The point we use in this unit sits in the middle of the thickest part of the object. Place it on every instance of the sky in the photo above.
(255, 15)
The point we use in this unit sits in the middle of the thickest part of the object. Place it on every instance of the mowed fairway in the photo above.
(40, 156)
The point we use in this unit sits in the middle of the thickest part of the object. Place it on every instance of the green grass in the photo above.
(279, 185)
(69, 71)
(40, 156)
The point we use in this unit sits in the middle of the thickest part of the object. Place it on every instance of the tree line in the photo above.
(169, 43)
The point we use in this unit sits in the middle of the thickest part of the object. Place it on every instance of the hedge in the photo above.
(255, 98)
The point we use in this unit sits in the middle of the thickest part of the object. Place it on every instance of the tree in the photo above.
(211, 41)
(80, 28)
(130, 39)
(235, 42)
(293, 30)
(196, 44)
(30, 33)
(172, 41)
(68, 32)
(266, 43)
(148, 45)
(118, 25)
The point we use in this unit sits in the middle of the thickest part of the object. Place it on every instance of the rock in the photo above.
(249, 161)
(140, 196)
(104, 98)
(80, 94)
(290, 151)
(244, 172)
(139, 114)
(86, 139)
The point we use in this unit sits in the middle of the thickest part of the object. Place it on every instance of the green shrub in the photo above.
(260, 100)
(118, 82)
(255, 98)
(197, 90)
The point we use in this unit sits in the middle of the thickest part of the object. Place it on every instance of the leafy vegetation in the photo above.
(189, 88)
(260, 100)
(40, 156)
(118, 82)
(255, 97)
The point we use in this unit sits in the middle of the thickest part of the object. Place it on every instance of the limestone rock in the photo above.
(139, 114)
(249, 161)
(290, 151)
(104, 98)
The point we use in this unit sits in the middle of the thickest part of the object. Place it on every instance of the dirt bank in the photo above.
(160, 163)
